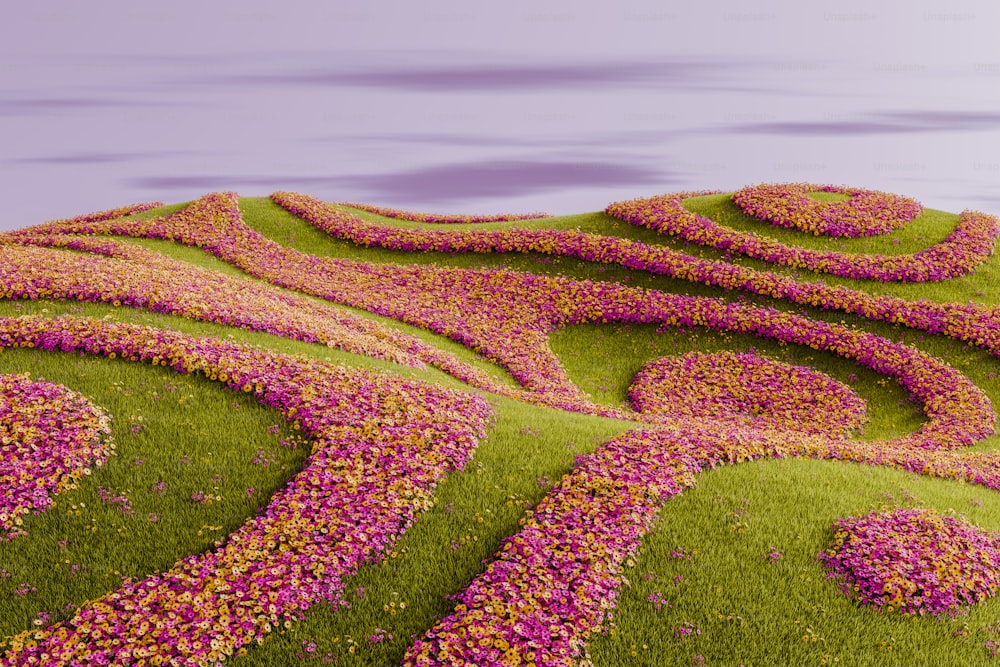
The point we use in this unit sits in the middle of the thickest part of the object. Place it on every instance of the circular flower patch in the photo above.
(866, 213)
(914, 560)
(727, 384)
(49, 438)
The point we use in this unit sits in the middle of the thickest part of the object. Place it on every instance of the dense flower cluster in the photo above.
(971, 242)
(555, 582)
(866, 213)
(139, 278)
(914, 560)
(507, 316)
(50, 437)
(442, 219)
(381, 444)
(730, 384)
(973, 239)
(128, 275)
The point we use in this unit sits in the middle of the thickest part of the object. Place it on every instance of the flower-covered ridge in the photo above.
(914, 561)
(381, 445)
(441, 218)
(555, 582)
(214, 223)
(126, 275)
(507, 316)
(130, 276)
(974, 237)
(50, 438)
(866, 213)
(967, 246)
(727, 384)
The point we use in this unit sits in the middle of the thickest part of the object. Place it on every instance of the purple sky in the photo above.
(516, 106)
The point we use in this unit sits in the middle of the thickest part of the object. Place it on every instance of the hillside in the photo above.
(279, 430)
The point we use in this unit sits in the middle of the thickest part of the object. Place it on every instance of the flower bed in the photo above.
(507, 316)
(214, 223)
(50, 437)
(914, 561)
(867, 213)
(439, 218)
(381, 444)
(971, 242)
(138, 278)
(734, 384)
(555, 583)
(132, 276)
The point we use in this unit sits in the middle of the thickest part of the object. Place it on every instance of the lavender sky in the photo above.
(561, 106)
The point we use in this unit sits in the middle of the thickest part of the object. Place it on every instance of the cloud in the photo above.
(494, 77)
(499, 78)
(442, 183)
(502, 179)
(879, 123)
(35, 106)
(616, 140)
(85, 158)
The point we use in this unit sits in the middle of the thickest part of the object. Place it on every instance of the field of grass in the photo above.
(551, 338)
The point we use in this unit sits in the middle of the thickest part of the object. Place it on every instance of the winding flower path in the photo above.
(382, 444)
(864, 213)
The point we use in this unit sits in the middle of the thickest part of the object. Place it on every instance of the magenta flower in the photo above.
(51, 437)
(914, 561)
(866, 213)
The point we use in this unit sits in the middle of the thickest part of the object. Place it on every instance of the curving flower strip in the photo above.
(440, 218)
(554, 583)
(507, 316)
(913, 560)
(381, 444)
(122, 274)
(50, 436)
(131, 276)
(743, 384)
(866, 213)
(215, 224)
(973, 239)
(971, 242)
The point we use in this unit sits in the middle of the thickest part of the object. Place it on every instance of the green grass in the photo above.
(602, 360)
(753, 612)
(187, 432)
(929, 228)
(749, 611)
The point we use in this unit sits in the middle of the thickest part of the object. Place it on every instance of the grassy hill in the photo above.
(342, 436)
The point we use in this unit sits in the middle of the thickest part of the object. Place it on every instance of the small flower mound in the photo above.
(440, 218)
(914, 560)
(49, 438)
(726, 384)
(867, 213)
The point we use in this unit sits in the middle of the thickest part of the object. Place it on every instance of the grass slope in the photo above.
(179, 435)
